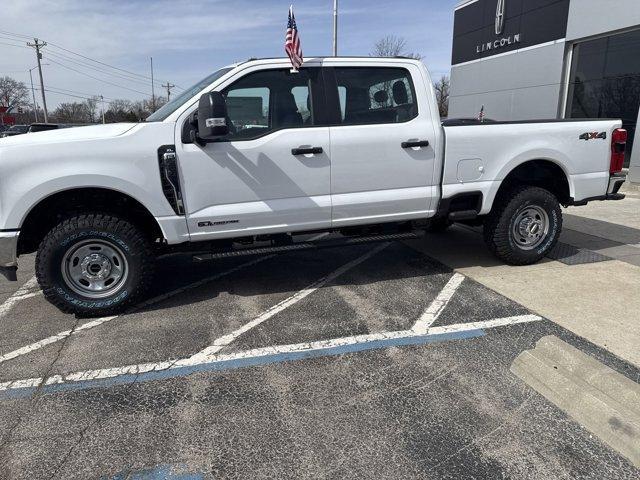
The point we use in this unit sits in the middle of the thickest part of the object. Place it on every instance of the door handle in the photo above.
(306, 151)
(417, 143)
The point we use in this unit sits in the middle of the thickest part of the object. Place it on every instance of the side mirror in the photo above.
(212, 116)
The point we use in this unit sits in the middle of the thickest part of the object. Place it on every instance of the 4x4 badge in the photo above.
(593, 136)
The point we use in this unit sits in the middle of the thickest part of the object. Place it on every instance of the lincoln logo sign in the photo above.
(500, 17)
(500, 42)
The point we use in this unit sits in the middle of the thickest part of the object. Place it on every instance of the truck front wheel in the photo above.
(524, 225)
(94, 265)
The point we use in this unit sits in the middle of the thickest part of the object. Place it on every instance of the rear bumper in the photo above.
(615, 183)
(613, 191)
(9, 254)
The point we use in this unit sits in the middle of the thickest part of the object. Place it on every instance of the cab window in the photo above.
(372, 95)
(269, 100)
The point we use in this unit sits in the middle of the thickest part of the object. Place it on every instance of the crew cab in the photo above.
(259, 153)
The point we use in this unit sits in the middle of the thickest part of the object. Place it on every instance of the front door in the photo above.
(383, 144)
(271, 173)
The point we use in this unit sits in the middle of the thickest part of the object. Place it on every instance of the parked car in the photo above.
(14, 130)
(344, 145)
(43, 127)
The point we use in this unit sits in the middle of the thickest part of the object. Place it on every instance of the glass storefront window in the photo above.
(605, 80)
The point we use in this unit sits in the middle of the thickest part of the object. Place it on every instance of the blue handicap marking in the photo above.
(162, 472)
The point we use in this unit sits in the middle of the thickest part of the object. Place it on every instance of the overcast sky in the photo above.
(191, 38)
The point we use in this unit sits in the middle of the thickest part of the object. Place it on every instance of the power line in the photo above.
(96, 78)
(13, 45)
(98, 69)
(55, 45)
(15, 34)
(99, 62)
(126, 75)
(93, 97)
(89, 95)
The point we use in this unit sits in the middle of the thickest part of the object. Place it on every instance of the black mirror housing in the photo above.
(212, 116)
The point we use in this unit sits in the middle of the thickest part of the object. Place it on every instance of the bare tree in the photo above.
(144, 108)
(92, 107)
(72, 112)
(392, 46)
(442, 87)
(13, 93)
(120, 110)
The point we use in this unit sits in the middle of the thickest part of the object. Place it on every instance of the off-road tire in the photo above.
(108, 229)
(499, 224)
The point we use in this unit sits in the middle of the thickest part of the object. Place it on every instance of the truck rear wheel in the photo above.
(94, 265)
(524, 225)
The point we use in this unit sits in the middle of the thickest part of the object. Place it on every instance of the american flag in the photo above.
(481, 114)
(292, 42)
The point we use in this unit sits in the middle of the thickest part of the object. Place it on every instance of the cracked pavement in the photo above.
(439, 407)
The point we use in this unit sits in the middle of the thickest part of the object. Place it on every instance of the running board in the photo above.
(309, 245)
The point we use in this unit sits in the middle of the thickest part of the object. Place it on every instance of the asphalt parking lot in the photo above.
(370, 361)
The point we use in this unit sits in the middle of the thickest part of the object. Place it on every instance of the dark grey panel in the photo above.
(528, 23)
(605, 81)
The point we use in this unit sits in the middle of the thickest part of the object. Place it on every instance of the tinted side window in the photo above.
(269, 100)
(373, 95)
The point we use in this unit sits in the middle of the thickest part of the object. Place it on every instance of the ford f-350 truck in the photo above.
(256, 152)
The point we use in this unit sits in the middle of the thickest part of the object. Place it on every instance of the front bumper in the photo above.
(9, 254)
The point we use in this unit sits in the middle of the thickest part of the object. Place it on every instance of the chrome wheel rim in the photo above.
(530, 227)
(94, 269)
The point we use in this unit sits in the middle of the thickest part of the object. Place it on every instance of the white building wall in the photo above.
(520, 85)
(595, 17)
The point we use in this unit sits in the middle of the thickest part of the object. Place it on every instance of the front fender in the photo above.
(40, 192)
(127, 163)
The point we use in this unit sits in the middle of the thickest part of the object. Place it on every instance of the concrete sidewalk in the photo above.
(598, 300)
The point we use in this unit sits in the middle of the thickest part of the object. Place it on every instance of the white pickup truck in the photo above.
(256, 153)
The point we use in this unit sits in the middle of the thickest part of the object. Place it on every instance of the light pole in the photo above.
(102, 107)
(335, 28)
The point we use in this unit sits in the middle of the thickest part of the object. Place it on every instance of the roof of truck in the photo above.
(267, 60)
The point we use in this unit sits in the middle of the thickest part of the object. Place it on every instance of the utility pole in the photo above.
(168, 86)
(38, 45)
(335, 28)
(153, 92)
(33, 94)
(102, 105)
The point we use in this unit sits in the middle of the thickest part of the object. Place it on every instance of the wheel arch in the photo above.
(50, 210)
(545, 173)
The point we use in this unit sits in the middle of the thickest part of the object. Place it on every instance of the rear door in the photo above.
(382, 144)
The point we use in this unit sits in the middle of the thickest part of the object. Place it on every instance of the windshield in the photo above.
(185, 96)
(19, 128)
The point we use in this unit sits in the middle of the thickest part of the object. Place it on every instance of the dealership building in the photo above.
(537, 59)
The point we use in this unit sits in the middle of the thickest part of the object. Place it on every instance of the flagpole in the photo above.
(335, 28)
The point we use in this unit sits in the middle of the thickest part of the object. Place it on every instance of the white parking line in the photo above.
(137, 369)
(434, 310)
(100, 321)
(225, 340)
(24, 293)
(21, 294)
